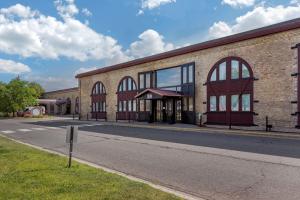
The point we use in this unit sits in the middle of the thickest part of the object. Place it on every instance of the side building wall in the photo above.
(270, 57)
(72, 94)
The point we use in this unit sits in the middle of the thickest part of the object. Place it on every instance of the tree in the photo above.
(38, 88)
(4, 98)
(18, 94)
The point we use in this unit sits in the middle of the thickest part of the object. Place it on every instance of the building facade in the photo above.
(239, 80)
(61, 102)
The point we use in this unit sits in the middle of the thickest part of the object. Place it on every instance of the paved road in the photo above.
(184, 161)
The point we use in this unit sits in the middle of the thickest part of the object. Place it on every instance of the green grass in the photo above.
(27, 173)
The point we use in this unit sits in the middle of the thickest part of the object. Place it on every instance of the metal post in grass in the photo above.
(71, 138)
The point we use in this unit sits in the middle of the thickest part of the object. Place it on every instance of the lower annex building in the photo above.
(238, 80)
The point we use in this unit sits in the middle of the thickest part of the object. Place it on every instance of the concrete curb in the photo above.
(156, 186)
(214, 131)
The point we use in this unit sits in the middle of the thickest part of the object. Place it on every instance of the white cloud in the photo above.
(86, 12)
(12, 67)
(239, 3)
(258, 17)
(84, 69)
(151, 4)
(28, 33)
(151, 42)
(66, 8)
(50, 83)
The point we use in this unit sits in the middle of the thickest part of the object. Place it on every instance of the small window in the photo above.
(124, 84)
(124, 106)
(121, 87)
(134, 105)
(142, 105)
(234, 69)
(148, 106)
(129, 105)
(148, 80)
(222, 71)
(245, 72)
(141, 81)
(246, 102)
(213, 103)
(104, 106)
(120, 106)
(133, 85)
(185, 104)
(214, 75)
(235, 103)
(191, 74)
(184, 75)
(222, 103)
(191, 104)
(129, 84)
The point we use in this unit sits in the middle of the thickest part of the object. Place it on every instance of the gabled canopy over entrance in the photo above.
(157, 94)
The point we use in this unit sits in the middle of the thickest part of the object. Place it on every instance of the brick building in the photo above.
(61, 102)
(238, 80)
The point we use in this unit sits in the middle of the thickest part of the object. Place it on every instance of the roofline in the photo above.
(260, 32)
(63, 90)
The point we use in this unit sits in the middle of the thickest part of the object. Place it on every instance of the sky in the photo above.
(50, 41)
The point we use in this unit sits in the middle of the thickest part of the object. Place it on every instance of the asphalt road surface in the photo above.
(211, 166)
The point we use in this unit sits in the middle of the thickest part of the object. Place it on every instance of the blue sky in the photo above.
(50, 41)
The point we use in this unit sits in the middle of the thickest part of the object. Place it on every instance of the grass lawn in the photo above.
(27, 173)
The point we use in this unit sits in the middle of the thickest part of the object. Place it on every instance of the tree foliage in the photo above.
(18, 94)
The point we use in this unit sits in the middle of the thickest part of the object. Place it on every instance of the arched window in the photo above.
(98, 98)
(126, 105)
(230, 92)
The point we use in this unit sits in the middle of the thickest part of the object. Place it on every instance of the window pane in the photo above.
(104, 106)
(191, 104)
(124, 84)
(235, 103)
(97, 107)
(148, 106)
(141, 81)
(246, 102)
(168, 77)
(245, 72)
(129, 84)
(101, 89)
(214, 75)
(124, 106)
(222, 103)
(134, 105)
(222, 71)
(184, 74)
(120, 106)
(185, 103)
(121, 87)
(129, 105)
(148, 80)
(234, 69)
(142, 105)
(191, 74)
(133, 85)
(213, 103)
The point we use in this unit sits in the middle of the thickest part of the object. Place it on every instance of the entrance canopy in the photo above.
(157, 94)
(52, 101)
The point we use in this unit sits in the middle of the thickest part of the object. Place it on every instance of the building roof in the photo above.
(62, 91)
(162, 93)
(260, 32)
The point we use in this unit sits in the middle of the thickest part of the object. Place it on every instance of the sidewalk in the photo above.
(195, 128)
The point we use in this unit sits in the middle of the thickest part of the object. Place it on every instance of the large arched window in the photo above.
(126, 99)
(98, 98)
(230, 92)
